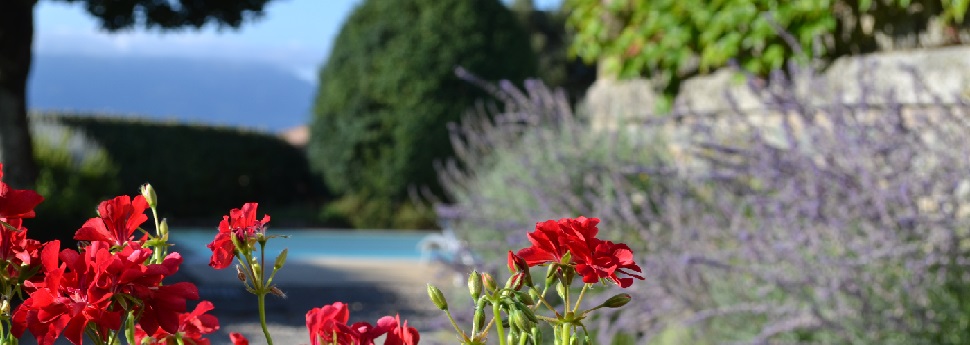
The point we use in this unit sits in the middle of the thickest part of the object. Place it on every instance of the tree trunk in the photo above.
(16, 36)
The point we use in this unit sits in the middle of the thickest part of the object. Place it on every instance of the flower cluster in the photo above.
(328, 325)
(192, 326)
(18, 254)
(240, 226)
(568, 247)
(594, 259)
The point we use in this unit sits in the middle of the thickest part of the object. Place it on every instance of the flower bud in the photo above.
(568, 273)
(528, 313)
(617, 301)
(561, 290)
(478, 321)
(5, 307)
(551, 274)
(239, 274)
(163, 229)
(276, 291)
(437, 297)
(149, 194)
(525, 297)
(281, 259)
(475, 284)
(520, 320)
(515, 281)
(517, 263)
(489, 282)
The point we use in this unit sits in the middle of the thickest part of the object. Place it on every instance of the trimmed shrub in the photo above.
(203, 170)
(388, 89)
(821, 223)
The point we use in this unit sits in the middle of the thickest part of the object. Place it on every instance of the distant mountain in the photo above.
(246, 94)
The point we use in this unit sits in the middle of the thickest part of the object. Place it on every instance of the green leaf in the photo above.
(774, 56)
(959, 9)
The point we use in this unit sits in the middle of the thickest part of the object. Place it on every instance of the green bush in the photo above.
(671, 40)
(389, 88)
(75, 174)
(201, 171)
(550, 42)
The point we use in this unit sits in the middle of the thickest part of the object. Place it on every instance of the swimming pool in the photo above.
(314, 244)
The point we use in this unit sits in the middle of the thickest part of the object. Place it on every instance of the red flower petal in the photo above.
(238, 339)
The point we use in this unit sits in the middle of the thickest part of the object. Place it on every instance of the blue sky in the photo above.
(294, 34)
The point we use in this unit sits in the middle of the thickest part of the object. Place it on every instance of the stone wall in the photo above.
(913, 78)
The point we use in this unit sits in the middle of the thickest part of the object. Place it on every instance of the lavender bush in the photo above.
(813, 220)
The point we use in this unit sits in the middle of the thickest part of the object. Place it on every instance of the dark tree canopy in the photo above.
(389, 89)
(168, 14)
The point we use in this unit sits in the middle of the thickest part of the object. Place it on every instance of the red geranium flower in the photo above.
(593, 258)
(64, 301)
(328, 325)
(192, 327)
(16, 204)
(517, 263)
(242, 223)
(119, 218)
(328, 321)
(548, 243)
(400, 333)
(17, 250)
(80, 292)
(604, 261)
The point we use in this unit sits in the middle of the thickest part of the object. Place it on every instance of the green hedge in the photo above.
(200, 171)
(74, 174)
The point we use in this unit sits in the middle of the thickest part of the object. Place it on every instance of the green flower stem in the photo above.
(557, 334)
(159, 254)
(565, 298)
(566, 333)
(580, 299)
(542, 298)
(93, 335)
(262, 259)
(498, 317)
(547, 319)
(464, 336)
(261, 300)
(261, 288)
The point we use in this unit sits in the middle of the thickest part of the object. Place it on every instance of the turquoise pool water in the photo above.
(315, 244)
